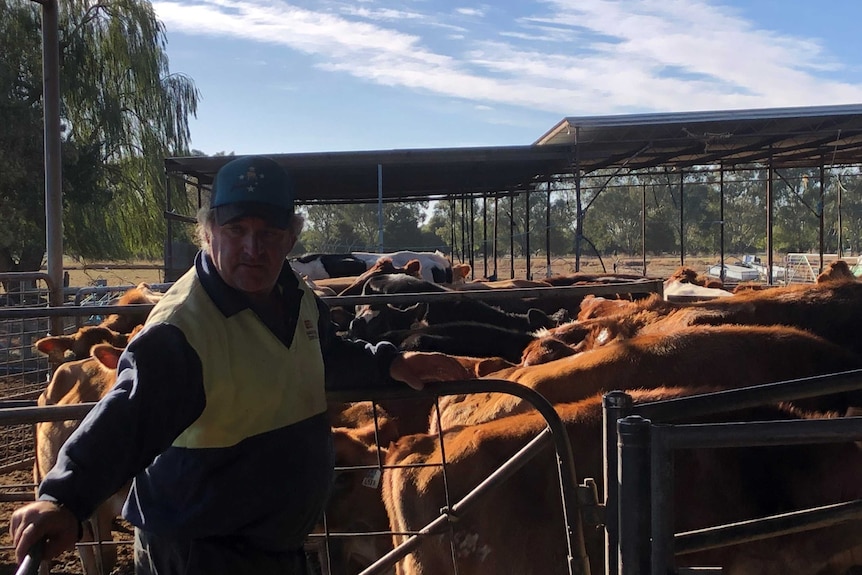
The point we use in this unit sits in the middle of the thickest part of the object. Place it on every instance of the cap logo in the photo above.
(251, 179)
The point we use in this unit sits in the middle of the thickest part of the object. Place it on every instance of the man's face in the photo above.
(248, 254)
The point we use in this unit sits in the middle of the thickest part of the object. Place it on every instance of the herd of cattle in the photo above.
(571, 350)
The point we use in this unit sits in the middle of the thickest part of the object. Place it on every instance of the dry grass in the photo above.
(133, 273)
(114, 273)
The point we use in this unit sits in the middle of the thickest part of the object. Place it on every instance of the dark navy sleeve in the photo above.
(352, 363)
(158, 394)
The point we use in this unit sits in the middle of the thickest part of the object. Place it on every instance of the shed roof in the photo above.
(332, 177)
(793, 137)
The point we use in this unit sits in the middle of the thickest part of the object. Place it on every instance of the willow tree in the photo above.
(122, 113)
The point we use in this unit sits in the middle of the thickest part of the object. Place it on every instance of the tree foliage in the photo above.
(122, 113)
(628, 213)
(346, 228)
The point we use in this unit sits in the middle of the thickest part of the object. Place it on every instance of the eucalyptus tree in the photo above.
(122, 113)
(615, 219)
(796, 208)
(845, 183)
(356, 227)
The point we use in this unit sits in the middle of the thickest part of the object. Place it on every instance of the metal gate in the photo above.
(24, 371)
(640, 536)
(554, 434)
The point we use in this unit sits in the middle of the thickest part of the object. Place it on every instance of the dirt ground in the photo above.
(69, 564)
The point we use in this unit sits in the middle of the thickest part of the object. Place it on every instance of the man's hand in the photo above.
(43, 519)
(416, 368)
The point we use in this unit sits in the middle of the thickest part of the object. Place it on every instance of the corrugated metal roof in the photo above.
(793, 137)
(333, 177)
(804, 136)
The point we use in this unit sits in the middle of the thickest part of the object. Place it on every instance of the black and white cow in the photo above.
(323, 266)
(435, 267)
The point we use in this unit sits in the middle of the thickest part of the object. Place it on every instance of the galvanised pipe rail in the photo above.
(618, 404)
(664, 439)
(578, 562)
(636, 286)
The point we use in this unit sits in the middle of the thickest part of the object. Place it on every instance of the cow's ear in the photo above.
(413, 267)
(418, 310)
(55, 343)
(107, 354)
(539, 319)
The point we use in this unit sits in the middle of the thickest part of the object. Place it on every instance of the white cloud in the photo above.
(381, 13)
(570, 56)
(470, 12)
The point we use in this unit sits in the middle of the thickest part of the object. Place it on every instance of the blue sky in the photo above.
(331, 75)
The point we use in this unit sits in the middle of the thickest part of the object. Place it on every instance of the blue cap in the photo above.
(253, 186)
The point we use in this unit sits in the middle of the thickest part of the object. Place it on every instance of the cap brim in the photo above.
(275, 216)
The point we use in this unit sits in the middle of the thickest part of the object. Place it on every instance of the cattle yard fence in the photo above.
(24, 319)
(578, 564)
(642, 535)
(24, 372)
(639, 485)
(23, 326)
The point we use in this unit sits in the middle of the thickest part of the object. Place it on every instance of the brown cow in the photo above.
(685, 274)
(460, 273)
(114, 329)
(356, 505)
(578, 278)
(595, 306)
(836, 271)
(716, 356)
(60, 348)
(719, 357)
(517, 526)
(832, 310)
(127, 321)
(500, 284)
(579, 336)
(74, 382)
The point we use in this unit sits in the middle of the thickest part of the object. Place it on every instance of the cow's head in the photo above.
(373, 321)
(60, 348)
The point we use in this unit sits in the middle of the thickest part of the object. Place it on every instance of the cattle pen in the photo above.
(29, 371)
(634, 518)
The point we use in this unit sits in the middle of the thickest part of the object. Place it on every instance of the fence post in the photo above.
(634, 504)
(615, 406)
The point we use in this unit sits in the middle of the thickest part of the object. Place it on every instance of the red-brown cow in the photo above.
(74, 382)
(127, 321)
(60, 348)
(832, 310)
(114, 329)
(716, 356)
(356, 505)
(500, 284)
(517, 526)
(836, 271)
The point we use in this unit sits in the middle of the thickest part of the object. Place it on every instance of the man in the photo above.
(219, 410)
